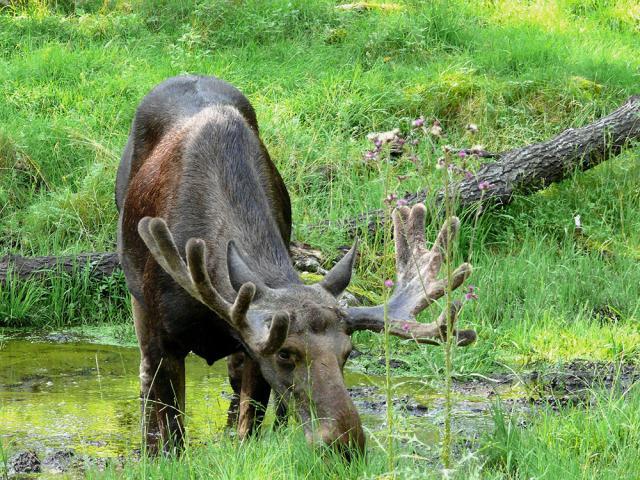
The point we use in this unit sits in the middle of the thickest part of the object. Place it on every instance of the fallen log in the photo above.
(523, 171)
(99, 264)
(305, 258)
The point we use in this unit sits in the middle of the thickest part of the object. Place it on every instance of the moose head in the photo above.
(300, 336)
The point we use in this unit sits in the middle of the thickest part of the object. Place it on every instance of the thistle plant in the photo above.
(454, 162)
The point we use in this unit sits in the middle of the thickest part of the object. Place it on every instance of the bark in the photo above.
(521, 171)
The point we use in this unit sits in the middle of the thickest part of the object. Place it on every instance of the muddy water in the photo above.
(84, 396)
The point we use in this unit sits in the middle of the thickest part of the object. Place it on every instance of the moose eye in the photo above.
(285, 356)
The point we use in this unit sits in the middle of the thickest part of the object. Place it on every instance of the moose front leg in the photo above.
(163, 404)
(254, 397)
(162, 391)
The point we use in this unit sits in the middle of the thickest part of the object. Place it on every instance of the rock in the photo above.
(355, 353)
(59, 461)
(306, 259)
(394, 363)
(25, 462)
(348, 299)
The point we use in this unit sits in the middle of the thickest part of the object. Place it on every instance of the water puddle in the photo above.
(62, 397)
(84, 396)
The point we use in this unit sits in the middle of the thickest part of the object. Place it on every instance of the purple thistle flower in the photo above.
(390, 198)
(484, 185)
(401, 203)
(436, 129)
(462, 154)
(388, 283)
(370, 154)
(468, 175)
(418, 122)
(405, 327)
(471, 293)
(415, 141)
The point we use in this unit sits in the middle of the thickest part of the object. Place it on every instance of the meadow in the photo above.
(321, 78)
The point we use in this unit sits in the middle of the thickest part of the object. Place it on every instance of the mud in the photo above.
(67, 404)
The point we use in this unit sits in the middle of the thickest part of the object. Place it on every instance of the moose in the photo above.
(203, 238)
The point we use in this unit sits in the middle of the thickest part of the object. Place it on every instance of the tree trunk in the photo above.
(523, 170)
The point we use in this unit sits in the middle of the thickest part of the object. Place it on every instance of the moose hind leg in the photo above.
(234, 367)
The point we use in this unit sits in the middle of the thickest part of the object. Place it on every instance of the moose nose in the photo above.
(346, 437)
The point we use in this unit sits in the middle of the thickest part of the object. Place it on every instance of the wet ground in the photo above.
(65, 402)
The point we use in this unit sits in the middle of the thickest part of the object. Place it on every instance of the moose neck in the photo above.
(266, 254)
(229, 188)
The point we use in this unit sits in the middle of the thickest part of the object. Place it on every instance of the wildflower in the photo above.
(379, 138)
(405, 327)
(390, 198)
(415, 141)
(472, 128)
(476, 149)
(462, 154)
(471, 293)
(371, 154)
(468, 175)
(418, 122)
(484, 185)
(388, 283)
(436, 129)
(401, 202)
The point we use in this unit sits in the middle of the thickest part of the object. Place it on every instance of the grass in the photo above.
(600, 441)
(320, 78)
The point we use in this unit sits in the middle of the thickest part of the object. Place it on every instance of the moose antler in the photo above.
(417, 283)
(194, 278)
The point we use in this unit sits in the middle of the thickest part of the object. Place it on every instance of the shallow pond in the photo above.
(84, 396)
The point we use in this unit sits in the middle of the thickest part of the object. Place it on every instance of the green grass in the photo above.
(72, 73)
(600, 440)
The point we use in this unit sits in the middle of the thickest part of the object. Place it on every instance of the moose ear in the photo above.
(239, 272)
(339, 276)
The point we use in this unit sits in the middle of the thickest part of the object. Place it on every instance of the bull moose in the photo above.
(203, 236)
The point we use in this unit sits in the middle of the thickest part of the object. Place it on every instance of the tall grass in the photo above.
(59, 299)
(600, 440)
